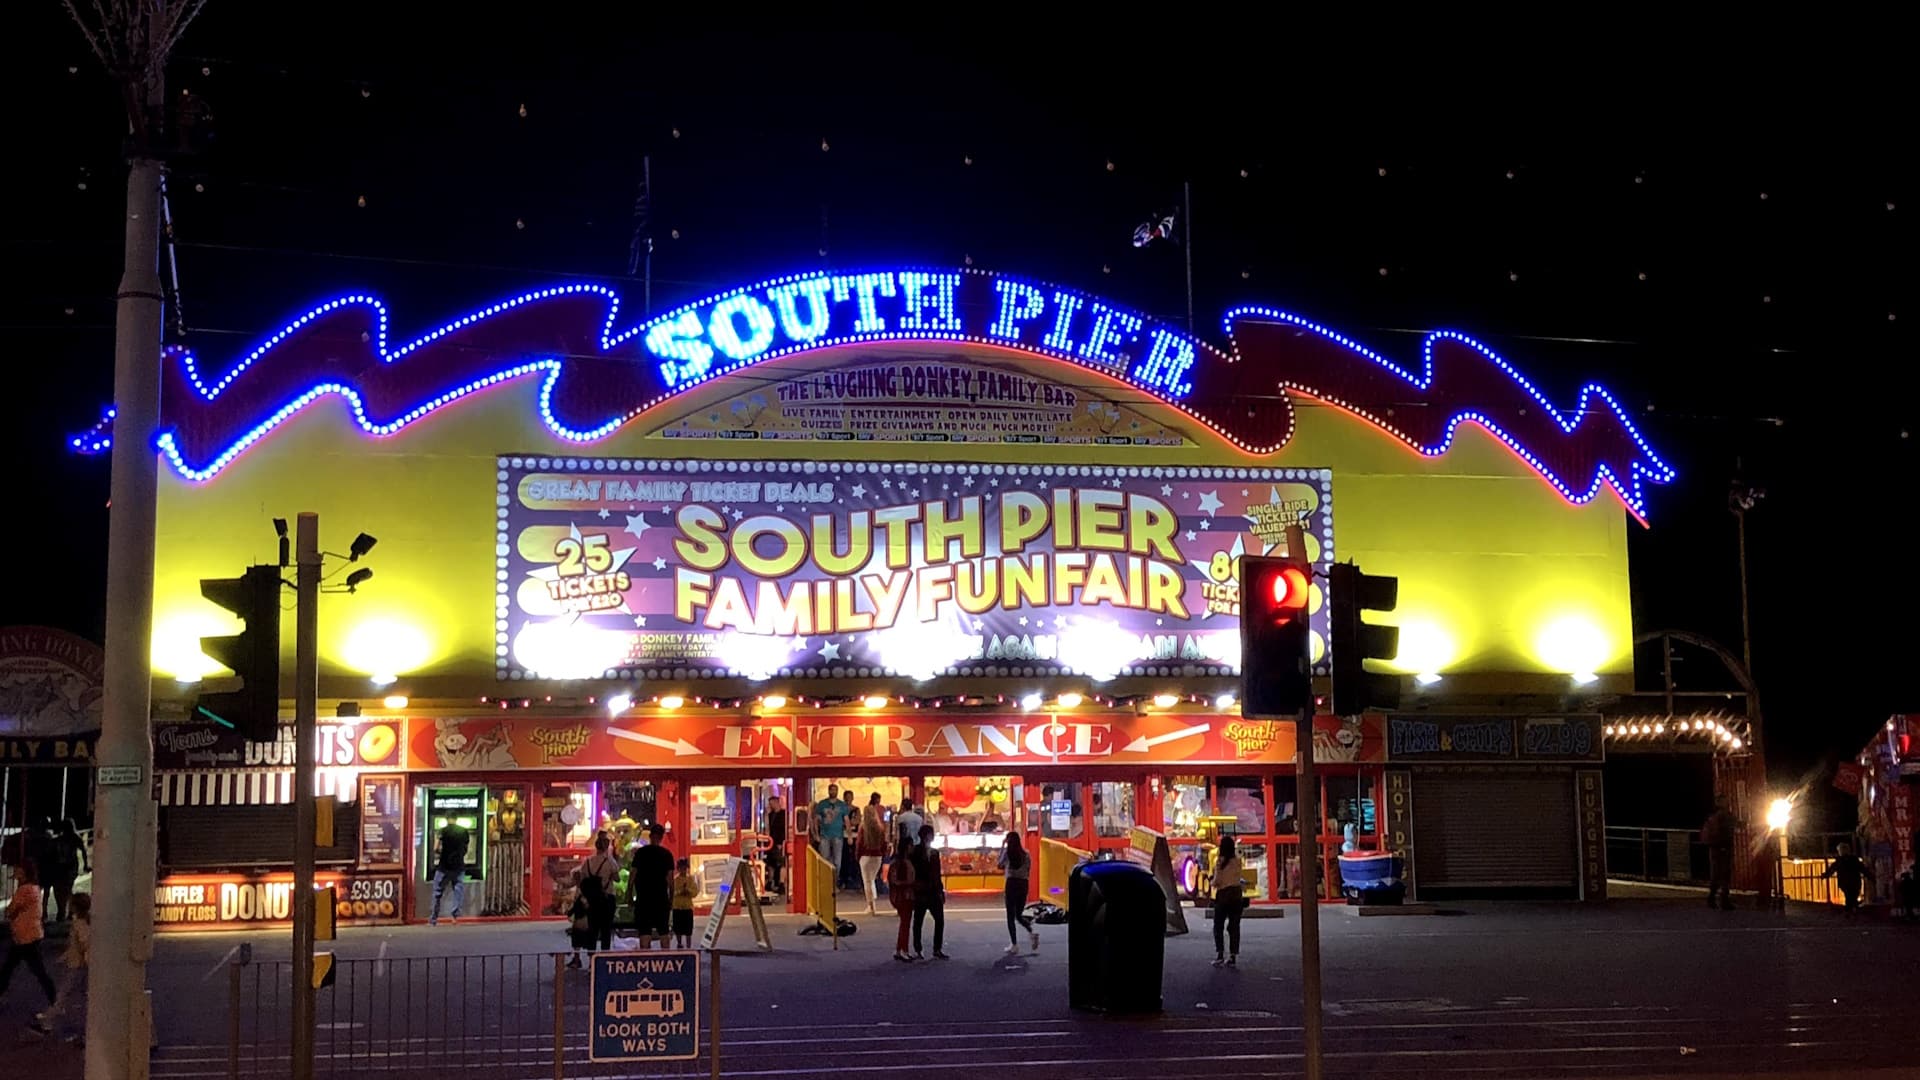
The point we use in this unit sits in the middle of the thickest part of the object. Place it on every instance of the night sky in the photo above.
(1722, 240)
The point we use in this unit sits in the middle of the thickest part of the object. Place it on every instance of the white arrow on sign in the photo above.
(1144, 743)
(680, 747)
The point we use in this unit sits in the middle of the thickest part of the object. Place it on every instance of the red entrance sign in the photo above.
(1035, 738)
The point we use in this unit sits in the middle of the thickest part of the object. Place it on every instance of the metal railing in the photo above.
(515, 1015)
(1675, 856)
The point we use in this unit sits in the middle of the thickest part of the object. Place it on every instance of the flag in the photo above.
(1157, 227)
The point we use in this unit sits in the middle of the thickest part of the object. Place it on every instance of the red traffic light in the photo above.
(1290, 588)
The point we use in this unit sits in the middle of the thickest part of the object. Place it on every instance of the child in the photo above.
(71, 1002)
(685, 888)
(579, 927)
(25, 913)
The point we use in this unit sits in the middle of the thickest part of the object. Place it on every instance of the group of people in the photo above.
(899, 850)
(662, 890)
(26, 918)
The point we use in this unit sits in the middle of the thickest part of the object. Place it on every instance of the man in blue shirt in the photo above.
(830, 825)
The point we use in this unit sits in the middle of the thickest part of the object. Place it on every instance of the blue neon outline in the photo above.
(1631, 493)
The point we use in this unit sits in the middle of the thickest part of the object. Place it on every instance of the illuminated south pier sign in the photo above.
(762, 568)
(795, 313)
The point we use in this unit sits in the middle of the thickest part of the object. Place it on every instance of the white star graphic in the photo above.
(659, 563)
(780, 509)
(1023, 620)
(830, 651)
(995, 482)
(799, 644)
(605, 513)
(737, 515)
(860, 491)
(1206, 524)
(1192, 536)
(637, 525)
(1166, 489)
(914, 494)
(1210, 501)
(639, 620)
(666, 508)
(1243, 491)
(886, 484)
(969, 480)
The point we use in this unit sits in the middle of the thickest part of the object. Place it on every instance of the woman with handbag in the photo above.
(871, 844)
(900, 891)
(1228, 903)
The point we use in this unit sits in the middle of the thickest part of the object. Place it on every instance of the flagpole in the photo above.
(1188, 244)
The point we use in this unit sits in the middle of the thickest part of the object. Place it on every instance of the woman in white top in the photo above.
(1228, 902)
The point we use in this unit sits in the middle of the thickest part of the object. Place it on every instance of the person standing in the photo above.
(650, 882)
(1847, 869)
(929, 896)
(900, 879)
(849, 869)
(1229, 901)
(906, 823)
(686, 889)
(776, 857)
(1717, 833)
(67, 857)
(27, 911)
(450, 870)
(70, 1003)
(1018, 866)
(871, 842)
(597, 876)
(830, 826)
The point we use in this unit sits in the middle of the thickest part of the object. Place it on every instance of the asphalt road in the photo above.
(1632, 988)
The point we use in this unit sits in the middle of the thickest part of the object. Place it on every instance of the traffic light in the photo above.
(325, 900)
(1353, 641)
(253, 654)
(322, 970)
(1276, 643)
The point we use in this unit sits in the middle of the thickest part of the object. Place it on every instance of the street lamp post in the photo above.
(1779, 817)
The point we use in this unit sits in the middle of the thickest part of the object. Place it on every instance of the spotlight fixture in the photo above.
(1427, 678)
(280, 530)
(672, 701)
(347, 710)
(1582, 678)
(358, 578)
(361, 545)
(774, 701)
(1166, 701)
(619, 703)
(381, 680)
(1069, 700)
(1030, 702)
(1224, 701)
(394, 701)
(874, 701)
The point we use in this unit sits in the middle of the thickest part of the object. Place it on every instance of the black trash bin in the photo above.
(1116, 938)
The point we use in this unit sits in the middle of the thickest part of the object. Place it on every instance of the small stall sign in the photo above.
(645, 1006)
(246, 901)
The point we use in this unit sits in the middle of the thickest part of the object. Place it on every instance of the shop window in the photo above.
(968, 804)
(627, 808)
(1350, 804)
(1113, 808)
(1254, 858)
(1062, 817)
(1286, 806)
(1183, 802)
(712, 813)
(566, 817)
(1242, 798)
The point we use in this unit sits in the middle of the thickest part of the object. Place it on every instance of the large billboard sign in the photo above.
(673, 568)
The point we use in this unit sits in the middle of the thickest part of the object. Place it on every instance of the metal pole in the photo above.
(1186, 241)
(713, 1012)
(560, 1018)
(233, 1022)
(646, 184)
(306, 690)
(1309, 896)
(117, 1015)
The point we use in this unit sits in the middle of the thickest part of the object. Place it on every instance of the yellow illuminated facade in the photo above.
(1503, 582)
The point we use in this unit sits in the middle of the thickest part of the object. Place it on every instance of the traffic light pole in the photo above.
(306, 689)
(1309, 790)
